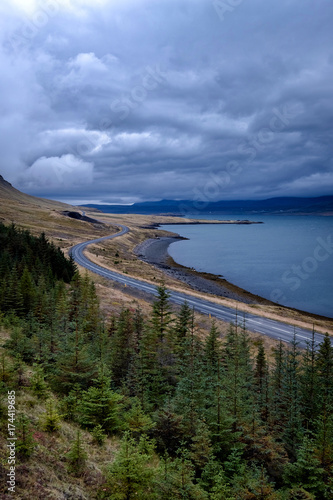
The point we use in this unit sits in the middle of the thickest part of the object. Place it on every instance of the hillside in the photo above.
(42, 215)
(8, 192)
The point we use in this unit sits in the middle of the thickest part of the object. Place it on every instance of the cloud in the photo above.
(147, 100)
(63, 174)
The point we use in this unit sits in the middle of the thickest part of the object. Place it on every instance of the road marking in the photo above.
(265, 326)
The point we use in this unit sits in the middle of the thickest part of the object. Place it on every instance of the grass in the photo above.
(118, 254)
(45, 474)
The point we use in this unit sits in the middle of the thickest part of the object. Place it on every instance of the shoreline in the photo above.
(154, 251)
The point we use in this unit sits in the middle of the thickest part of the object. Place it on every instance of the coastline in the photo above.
(154, 251)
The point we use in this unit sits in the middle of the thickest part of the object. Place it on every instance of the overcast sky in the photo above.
(120, 101)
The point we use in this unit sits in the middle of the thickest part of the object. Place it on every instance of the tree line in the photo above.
(29, 268)
(198, 418)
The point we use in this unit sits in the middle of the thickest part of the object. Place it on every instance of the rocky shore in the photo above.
(155, 252)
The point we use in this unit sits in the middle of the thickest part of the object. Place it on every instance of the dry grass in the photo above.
(126, 262)
(45, 474)
(118, 255)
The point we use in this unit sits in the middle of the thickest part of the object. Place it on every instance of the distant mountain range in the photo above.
(288, 205)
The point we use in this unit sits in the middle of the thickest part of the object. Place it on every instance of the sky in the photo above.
(109, 101)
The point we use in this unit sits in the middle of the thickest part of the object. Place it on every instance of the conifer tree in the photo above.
(37, 382)
(76, 457)
(99, 405)
(73, 365)
(190, 397)
(25, 443)
(306, 471)
(27, 290)
(99, 434)
(138, 325)
(201, 448)
(168, 430)
(279, 409)
(161, 314)
(130, 477)
(182, 328)
(309, 384)
(323, 434)
(293, 426)
(262, 383)
(238, 379)
(136, 421)
(212, 350)
(122, 347)
(51, 418)
(13, 299)
(176, 480)
(325, 374)
(151, 382)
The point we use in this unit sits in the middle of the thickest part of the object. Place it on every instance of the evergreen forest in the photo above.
(188, 416)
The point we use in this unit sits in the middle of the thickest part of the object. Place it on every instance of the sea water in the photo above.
(287, 259)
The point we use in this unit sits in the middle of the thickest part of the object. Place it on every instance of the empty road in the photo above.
(275, 329)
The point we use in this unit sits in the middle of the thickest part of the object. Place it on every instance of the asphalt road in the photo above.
(275, 329)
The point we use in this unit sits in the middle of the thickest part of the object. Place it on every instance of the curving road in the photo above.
(275, 329)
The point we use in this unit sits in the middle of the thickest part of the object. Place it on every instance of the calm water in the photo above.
(288, 259)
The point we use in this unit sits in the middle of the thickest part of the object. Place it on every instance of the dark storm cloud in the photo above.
(189, 99)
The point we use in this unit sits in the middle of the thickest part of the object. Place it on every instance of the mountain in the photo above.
(287, 205)
(39, 215)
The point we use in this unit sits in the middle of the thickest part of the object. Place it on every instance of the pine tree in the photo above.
(51, 419)
(238, 379)
(122, 347)
(176, 480)
(13, 300)
(293, 426)
(190, 397)
(254, 484)
(182, 328)
(99, 434)
(325, 373)
(324, 390)
(323, 434)
(27, 290)
(136, 421)
(151, 383)
(306, 471)
(278, 413)
(76, 457)
(130, 476)
(262, 383)
(25, 443)
(309, 384)
(37, 382)
(168, 431)
(161, 314)
(201, 448)
(138, 325)
(212, 350)
(74, 363)
(100, 405)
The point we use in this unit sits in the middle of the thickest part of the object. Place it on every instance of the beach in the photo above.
(154, 251)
